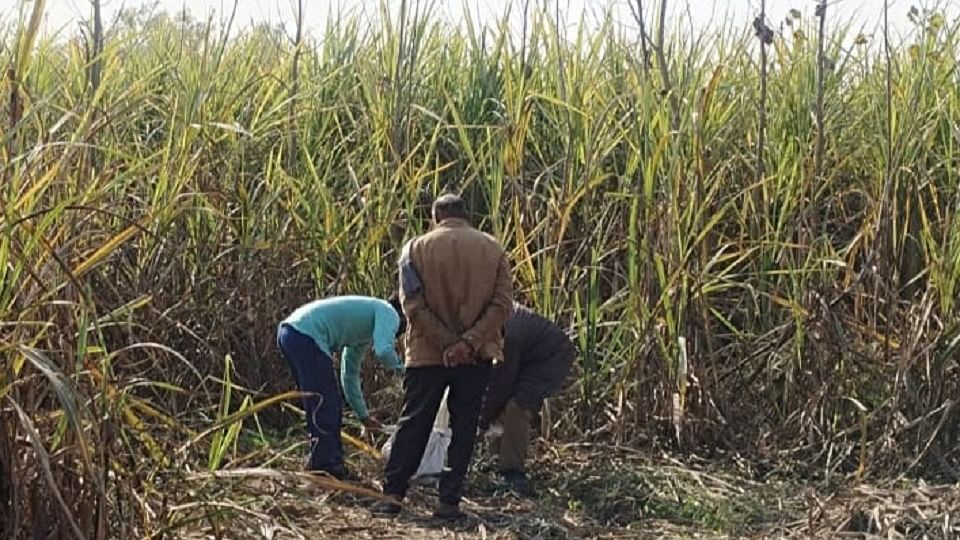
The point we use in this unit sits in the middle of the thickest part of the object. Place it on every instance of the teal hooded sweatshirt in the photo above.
(351, 325)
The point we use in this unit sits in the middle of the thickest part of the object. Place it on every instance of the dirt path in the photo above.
(582, 493)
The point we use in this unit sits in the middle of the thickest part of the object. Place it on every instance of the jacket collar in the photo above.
(453, 223)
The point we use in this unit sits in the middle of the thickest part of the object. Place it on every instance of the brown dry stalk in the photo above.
(322, 481)
(44, 458)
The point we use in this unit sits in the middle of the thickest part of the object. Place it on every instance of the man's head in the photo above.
(449, 206)
(395, 302)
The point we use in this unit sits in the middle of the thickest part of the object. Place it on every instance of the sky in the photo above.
(63, 15)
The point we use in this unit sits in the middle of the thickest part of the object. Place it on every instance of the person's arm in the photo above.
(497, 311)
(415, 305)
(503, 379)
(350, 361)
(385, 325)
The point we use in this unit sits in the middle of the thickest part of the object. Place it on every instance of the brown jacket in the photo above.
(455, 283)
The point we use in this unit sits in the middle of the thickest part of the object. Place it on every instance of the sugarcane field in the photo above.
(494, 269)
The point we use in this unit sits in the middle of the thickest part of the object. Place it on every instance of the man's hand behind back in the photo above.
(459, 354)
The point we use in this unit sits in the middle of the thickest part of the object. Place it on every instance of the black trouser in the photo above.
(422, 393)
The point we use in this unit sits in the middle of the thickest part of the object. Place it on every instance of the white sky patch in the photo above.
(63, 16)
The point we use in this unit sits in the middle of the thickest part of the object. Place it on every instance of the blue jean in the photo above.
(314, 373)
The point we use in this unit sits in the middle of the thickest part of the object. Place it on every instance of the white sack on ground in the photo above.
(434, 457)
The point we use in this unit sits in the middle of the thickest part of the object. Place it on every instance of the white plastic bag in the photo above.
(494, 431)
(435, 454)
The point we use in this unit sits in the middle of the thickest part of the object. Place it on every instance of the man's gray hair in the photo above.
(450, 206)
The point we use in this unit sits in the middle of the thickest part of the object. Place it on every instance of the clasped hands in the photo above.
(459, 354)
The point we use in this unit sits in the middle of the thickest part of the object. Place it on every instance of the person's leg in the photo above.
(284, 336)
(315, 375)
(516, 420)
(422, 393)
(515, 440)
(467, 387)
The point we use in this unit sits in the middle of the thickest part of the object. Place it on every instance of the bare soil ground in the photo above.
(582, 492)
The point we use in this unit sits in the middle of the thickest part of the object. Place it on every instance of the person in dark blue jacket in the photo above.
(537, 358)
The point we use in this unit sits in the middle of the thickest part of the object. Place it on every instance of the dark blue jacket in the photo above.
(537, 357)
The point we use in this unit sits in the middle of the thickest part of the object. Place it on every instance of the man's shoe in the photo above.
(518, 483)
(339, 472)
(387, 507)
(449, 512)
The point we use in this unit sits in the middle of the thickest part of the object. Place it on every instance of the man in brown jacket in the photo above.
(457, 292)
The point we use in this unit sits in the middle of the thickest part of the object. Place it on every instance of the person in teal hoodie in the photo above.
(308, 339)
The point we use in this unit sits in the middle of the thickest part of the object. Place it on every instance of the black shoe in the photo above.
(339, 472)
(518, 483)
(449, 512)
(387, 507)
